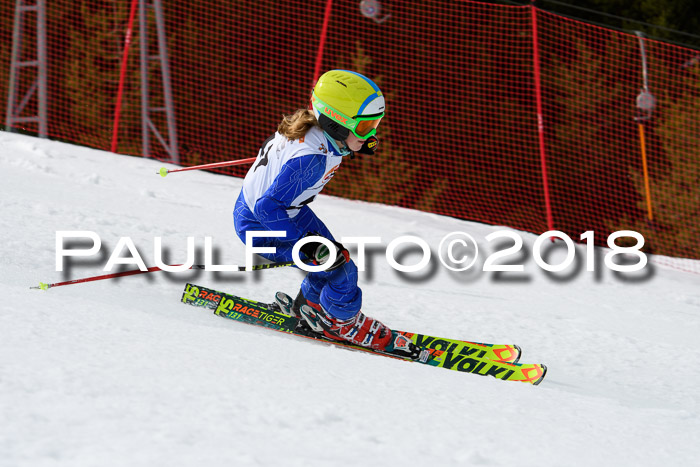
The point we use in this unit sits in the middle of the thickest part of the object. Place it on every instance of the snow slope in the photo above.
(118, 372)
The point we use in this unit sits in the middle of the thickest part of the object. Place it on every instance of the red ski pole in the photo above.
(255, 267)
(163, 171)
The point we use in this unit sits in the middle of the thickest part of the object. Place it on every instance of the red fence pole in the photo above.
(122, 74)
(540, 119)
(322, 41)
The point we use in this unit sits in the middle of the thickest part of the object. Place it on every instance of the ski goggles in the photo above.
(362, 127)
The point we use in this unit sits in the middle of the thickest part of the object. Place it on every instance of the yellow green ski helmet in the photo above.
(346, 101)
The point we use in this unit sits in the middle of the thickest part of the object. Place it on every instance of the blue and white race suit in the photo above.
(284, 179)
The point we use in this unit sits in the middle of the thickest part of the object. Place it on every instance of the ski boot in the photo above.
(360, 330)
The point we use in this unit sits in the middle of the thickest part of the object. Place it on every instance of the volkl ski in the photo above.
(497, 360)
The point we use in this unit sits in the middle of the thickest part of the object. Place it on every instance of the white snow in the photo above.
(120, 373)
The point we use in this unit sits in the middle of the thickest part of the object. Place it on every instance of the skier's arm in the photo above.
(296, 176)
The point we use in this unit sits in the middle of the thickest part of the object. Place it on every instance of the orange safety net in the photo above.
(500, 114)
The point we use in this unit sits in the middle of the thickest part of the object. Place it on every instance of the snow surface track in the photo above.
(118, 372)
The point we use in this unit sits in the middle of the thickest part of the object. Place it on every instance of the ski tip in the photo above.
(519, 353)
(163, 172)
(544, 373)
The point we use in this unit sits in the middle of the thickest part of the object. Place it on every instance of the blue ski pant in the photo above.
(336, 290)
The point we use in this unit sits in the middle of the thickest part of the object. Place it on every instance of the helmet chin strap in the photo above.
(340, 146)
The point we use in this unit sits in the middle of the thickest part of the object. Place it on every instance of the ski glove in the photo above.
(318, 253)
(370, 146)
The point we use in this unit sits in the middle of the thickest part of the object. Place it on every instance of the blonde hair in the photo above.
(295, 126)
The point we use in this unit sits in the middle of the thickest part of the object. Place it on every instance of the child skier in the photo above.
(292, 167)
